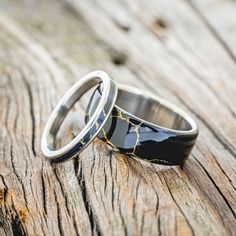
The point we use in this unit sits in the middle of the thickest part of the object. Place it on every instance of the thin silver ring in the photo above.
(93, 126)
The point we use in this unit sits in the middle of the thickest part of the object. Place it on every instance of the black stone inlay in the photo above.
(129, 135)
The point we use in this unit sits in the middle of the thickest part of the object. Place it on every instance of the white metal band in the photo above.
(94, 125)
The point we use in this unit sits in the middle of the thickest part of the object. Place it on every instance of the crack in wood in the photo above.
(94, 225)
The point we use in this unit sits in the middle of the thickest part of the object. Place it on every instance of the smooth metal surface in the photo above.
(154, 110)
(93, 126)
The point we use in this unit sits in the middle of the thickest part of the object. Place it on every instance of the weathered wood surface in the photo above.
(182, 50)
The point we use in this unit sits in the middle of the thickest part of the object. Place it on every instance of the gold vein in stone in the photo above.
(136, 130)
(82, 142)
(122, 117)
(107, 140)
(151, 160)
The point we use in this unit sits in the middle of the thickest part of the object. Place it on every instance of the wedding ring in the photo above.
(94, 124)
(146, 126)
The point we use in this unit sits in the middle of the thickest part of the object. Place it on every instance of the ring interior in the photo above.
(64, 108)
(151, 110)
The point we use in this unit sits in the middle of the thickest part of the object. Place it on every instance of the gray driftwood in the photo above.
(182, 50)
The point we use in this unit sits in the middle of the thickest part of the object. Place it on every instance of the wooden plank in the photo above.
(219, 18)
(33, 199)
(103, 192)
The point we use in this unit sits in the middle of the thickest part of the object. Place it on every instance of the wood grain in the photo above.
(181, 50)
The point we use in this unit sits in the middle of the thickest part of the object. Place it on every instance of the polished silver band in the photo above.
(93, 126)
(154, 110)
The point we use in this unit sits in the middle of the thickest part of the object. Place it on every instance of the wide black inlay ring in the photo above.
(146, 126)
